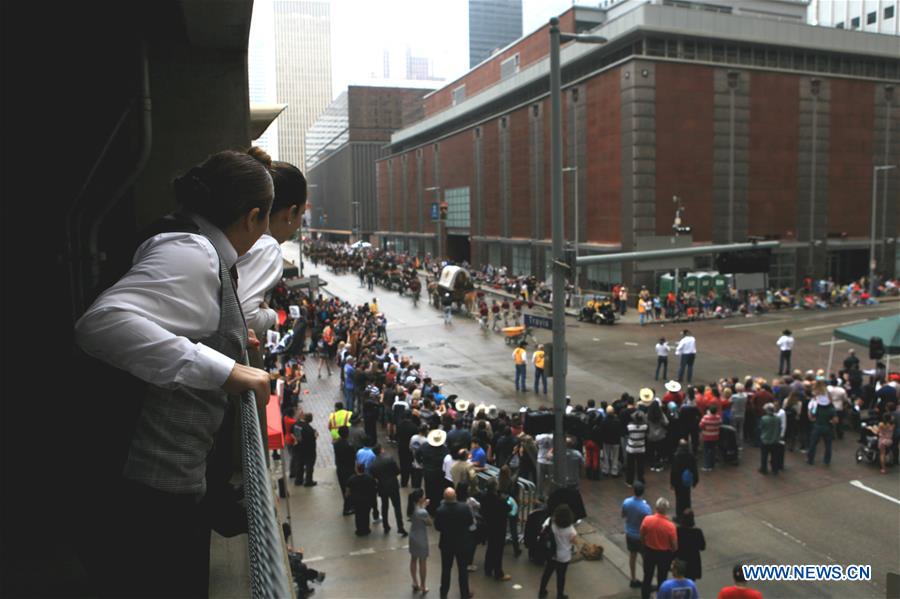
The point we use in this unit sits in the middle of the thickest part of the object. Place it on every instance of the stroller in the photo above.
(728, 444)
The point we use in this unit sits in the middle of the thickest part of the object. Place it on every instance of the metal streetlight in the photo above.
(875, 169)
(439, 225)
(558, 356)
(574, 169)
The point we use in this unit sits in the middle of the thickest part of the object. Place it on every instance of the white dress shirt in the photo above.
(662, 350)
(258, 272)
(785, 343)
(687, 345)
(144, 323)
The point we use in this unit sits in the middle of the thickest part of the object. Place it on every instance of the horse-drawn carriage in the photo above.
(455, 280)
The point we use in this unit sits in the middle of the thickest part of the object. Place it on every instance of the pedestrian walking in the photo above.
(447, 305)
(687, 349)
(634, 510)
(362, 490)
(660, 541)
(345, 464)
(538, 359)
(680, 586)
(520, 357)
(786, 344)
(683, 477)
(385, 470)
(562, 525)
(418, 539)
(453, 519)
(662, 358)
(305, 451)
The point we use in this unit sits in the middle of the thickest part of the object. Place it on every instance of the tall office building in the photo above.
(261, 68)
(874, 16)
(493, 24)
(303, 71)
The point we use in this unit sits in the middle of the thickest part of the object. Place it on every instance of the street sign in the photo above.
(435, 211)
(538, 322)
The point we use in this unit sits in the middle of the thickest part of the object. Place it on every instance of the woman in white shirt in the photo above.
(173, 323)
(564, 531)
(261, 268)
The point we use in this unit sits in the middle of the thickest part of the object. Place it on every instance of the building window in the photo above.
(521, 260)
(459, 94)
(477, 132)
(510, 66)
(457, 207)
(781, 270)
(504, 122)
(494, 255)
(854, 23)
(871, 17)
(535, 110)
(888, 12)
(602, 277)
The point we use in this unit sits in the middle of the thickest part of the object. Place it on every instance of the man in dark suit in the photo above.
(681, 461)
(453, 520)
(385, 470)
(405, 432)
(345, 462)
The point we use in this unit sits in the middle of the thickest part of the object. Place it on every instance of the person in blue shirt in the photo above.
(634, 510)
(348, 383)
(477, 455)
(678, 587)
(366, 455)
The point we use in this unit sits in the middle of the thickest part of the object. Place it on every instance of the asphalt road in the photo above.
(809, 515)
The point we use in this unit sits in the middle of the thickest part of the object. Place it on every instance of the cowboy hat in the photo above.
(462, 405)
(492, 411)
(673, 386)
(480, 408)
(646, 395)
(437, 437)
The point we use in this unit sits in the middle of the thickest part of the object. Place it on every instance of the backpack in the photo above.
(687, 478)
(297, 432)
(546, 544)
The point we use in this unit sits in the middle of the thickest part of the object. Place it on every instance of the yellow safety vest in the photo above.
(336, 420)
(539, 359)
(519, 355)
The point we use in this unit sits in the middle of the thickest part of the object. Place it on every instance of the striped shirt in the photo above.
(710, 425)
(637, 438)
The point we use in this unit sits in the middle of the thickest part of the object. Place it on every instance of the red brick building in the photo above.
(764, 128)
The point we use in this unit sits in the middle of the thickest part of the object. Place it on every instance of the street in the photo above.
(808, 515)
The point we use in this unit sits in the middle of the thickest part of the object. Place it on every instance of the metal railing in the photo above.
(527, 495)
(268, 574)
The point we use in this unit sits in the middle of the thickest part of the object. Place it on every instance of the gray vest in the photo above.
(176, 427)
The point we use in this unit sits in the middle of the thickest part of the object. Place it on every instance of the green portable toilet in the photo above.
(665, 285)
(690, 281)
(722, 282)
(704, 283)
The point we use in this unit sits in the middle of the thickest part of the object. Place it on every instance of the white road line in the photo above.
(318, 558)
(630, 343)
(366, 551)
(840, 324)
(595, 339)
(859, 485)
(833, 342)
(753, 324)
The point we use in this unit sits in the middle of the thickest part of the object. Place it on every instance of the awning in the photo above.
(887, 328)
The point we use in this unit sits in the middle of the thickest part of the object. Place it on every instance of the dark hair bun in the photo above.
(191, 190)
(261, 155)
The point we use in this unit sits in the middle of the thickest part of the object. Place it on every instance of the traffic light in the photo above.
(444, 207)
(876, 348)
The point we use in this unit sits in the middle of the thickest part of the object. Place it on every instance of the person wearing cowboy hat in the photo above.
(823, 416)
(786, 344)
(431, 456)
(673, 393)
(646, 397)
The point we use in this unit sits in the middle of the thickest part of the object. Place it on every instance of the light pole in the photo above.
(875, 169)
(439, 226)
(558, 356)
(574, 169)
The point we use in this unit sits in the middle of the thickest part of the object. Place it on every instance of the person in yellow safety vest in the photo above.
(521, 359)
(538, 360)
(340, 417)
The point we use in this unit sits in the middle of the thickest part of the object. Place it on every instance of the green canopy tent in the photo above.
(887, 328)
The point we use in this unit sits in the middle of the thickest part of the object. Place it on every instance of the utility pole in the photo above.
(560, 267)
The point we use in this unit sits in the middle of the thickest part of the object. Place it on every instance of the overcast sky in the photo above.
(362, 29)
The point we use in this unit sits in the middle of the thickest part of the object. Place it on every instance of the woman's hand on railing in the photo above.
(246, 378)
